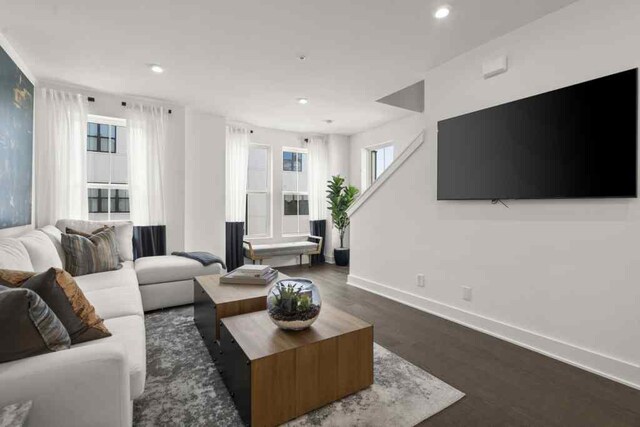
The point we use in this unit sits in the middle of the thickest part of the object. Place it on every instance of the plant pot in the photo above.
(341, 256)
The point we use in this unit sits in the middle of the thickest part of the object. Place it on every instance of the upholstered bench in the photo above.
(167, 281)
(311, 246)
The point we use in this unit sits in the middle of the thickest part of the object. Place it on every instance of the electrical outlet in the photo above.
(466, 293)
(420, 280)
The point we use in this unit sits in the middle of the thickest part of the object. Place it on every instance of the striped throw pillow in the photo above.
(28, 326)
(93, 254)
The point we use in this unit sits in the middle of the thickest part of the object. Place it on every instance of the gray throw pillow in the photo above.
(28, 326)
(93, 254)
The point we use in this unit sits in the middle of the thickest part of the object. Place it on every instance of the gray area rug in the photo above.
(183, 387)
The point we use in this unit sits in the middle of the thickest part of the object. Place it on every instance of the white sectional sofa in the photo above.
(92, 383)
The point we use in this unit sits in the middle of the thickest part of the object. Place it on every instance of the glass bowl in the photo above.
(294, 304)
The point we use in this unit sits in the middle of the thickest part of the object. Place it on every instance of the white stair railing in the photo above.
(393, 167)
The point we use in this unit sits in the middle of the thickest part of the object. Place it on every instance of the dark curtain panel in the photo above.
(318, 228)
(149, 240)
(234, 250)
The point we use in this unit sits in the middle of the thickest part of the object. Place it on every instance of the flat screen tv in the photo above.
(580, 141)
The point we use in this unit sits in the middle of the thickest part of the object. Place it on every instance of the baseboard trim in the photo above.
(621, 371)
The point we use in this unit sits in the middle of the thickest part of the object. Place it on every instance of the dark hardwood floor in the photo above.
(505, 385)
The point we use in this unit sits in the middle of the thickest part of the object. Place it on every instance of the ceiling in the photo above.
(239, 58)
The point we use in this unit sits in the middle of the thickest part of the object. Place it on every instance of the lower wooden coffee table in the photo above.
(275, 375)
(213, 300)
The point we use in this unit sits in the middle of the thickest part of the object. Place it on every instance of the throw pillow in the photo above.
(87, 255)
(87, 235)
(28, 326)
(61, 293)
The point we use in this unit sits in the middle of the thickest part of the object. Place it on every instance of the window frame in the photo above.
(268, 191)
(112, 150)
(294, 193)
(370, 157)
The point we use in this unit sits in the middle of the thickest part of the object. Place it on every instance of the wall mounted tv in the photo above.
(580, 141)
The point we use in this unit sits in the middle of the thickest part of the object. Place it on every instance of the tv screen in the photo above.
(580, 141)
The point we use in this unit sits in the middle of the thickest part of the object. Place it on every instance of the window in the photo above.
(292, 161)
(107, 169)
(258, 213)
(379, 160)
(101, 138)
(295, 195)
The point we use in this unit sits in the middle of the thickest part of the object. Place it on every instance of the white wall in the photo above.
(16, 231)
(204, 186)
(559, 276)
(399, 132)
(339, 164)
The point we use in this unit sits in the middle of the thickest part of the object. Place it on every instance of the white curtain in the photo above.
(147, 129)
(61, 157)
(318, 176)
(236, 172)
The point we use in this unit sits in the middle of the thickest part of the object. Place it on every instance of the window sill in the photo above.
(258, 237)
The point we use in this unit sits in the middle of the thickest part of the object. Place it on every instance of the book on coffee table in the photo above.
(240, 278)
(253, 270)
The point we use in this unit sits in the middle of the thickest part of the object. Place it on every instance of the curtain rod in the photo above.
(124, 104)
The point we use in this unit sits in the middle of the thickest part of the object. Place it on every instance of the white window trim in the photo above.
(367, 170)
(105, 120)
(269, 191)
(113, 121)
(294, 193)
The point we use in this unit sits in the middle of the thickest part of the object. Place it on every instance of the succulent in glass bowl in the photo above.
(294, 304)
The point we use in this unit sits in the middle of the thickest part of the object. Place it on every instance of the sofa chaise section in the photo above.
(167, 281)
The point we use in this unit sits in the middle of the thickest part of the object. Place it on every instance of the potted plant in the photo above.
(340, 198)
(294, 304)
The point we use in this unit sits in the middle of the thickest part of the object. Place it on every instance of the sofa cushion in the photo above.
(116, 302)
(14, 256)
(28, 326)
(58, 289)
(42, 252)
(93, 254)
(55, 236)
(129, 332)
(124, 277)
(170, 268)
(123, 229)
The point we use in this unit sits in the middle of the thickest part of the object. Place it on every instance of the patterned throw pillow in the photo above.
(28, 326)
(63, 296)
(93, 254)
(87, 235)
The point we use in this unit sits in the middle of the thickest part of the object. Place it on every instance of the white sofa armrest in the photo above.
(81, 386)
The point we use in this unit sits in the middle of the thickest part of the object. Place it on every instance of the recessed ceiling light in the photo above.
(303, 101)
(442, 12)
(156, 68)
(302, 57)
(329, 121)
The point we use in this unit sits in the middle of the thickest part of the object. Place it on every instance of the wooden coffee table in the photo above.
(213, 300)
(274, 376)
